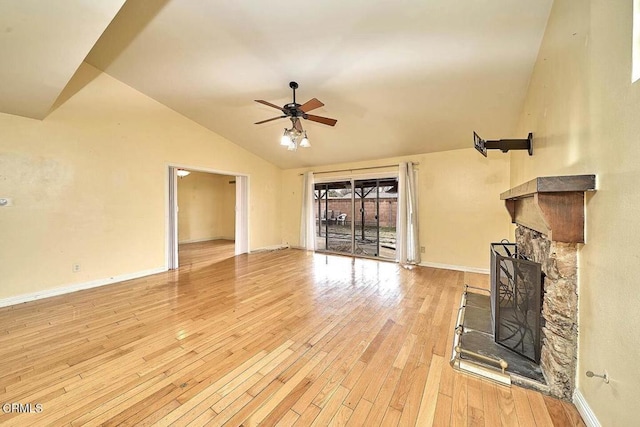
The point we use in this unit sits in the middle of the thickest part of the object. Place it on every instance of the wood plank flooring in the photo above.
(283, 338)
(205, 253)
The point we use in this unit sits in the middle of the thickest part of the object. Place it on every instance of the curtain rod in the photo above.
(359, 169)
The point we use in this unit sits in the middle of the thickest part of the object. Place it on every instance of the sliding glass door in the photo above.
(357, 217)
(333, 217)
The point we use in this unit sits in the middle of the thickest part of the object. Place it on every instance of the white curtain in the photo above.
(308, 219)
(407, 244)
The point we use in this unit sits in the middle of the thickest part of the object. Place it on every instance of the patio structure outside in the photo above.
(374, 229)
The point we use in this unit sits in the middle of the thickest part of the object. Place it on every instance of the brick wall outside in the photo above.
(388, 211)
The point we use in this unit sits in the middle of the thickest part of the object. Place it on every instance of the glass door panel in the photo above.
(388, 215)
(333, 217)
(367, 236)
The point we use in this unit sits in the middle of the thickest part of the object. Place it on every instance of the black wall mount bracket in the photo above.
(503, 145)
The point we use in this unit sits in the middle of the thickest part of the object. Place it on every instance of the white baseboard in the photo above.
(208, 239)
(583, 407)
(18, 299)
(455, 267)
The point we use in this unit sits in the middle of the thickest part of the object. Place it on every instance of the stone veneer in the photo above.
(559, 310)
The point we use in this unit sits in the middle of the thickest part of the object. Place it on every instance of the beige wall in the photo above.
(206, 207)
(459, 199)
(584, 112)
(89, 185)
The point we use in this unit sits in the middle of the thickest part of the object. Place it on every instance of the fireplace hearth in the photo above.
(499, 330)
(475, 350)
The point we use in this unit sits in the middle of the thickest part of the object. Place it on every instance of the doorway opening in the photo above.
(207, 216)
(357, 217)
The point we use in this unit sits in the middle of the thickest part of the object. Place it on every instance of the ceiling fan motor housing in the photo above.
(292, 110)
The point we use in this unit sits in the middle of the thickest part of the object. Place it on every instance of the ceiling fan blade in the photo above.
(323, 120)
(298, 125)
(268, 120)
(270, 104)
(311, 104)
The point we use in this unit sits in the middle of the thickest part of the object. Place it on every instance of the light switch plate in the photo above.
(5, 201)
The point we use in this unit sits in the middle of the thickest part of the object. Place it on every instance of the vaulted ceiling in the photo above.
(402, 77)
(42, 43)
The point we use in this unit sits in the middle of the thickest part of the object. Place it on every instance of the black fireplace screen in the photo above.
(515, 300)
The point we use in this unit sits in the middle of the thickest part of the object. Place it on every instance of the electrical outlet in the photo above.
(421, 249)
(75, 268)
(5, 201)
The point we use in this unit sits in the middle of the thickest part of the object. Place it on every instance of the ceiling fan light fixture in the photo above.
(286, 139)
(182, 173)
(305, 141)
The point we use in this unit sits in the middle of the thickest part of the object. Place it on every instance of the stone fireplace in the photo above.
(549, 213)
(559, 308)
(495, 333)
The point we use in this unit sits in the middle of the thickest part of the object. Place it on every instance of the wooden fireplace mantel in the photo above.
(552, 205)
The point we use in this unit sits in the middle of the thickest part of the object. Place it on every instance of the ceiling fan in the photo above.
(295, 111)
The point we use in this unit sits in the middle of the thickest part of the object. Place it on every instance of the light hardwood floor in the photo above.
(202, 254)
(277, 338)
